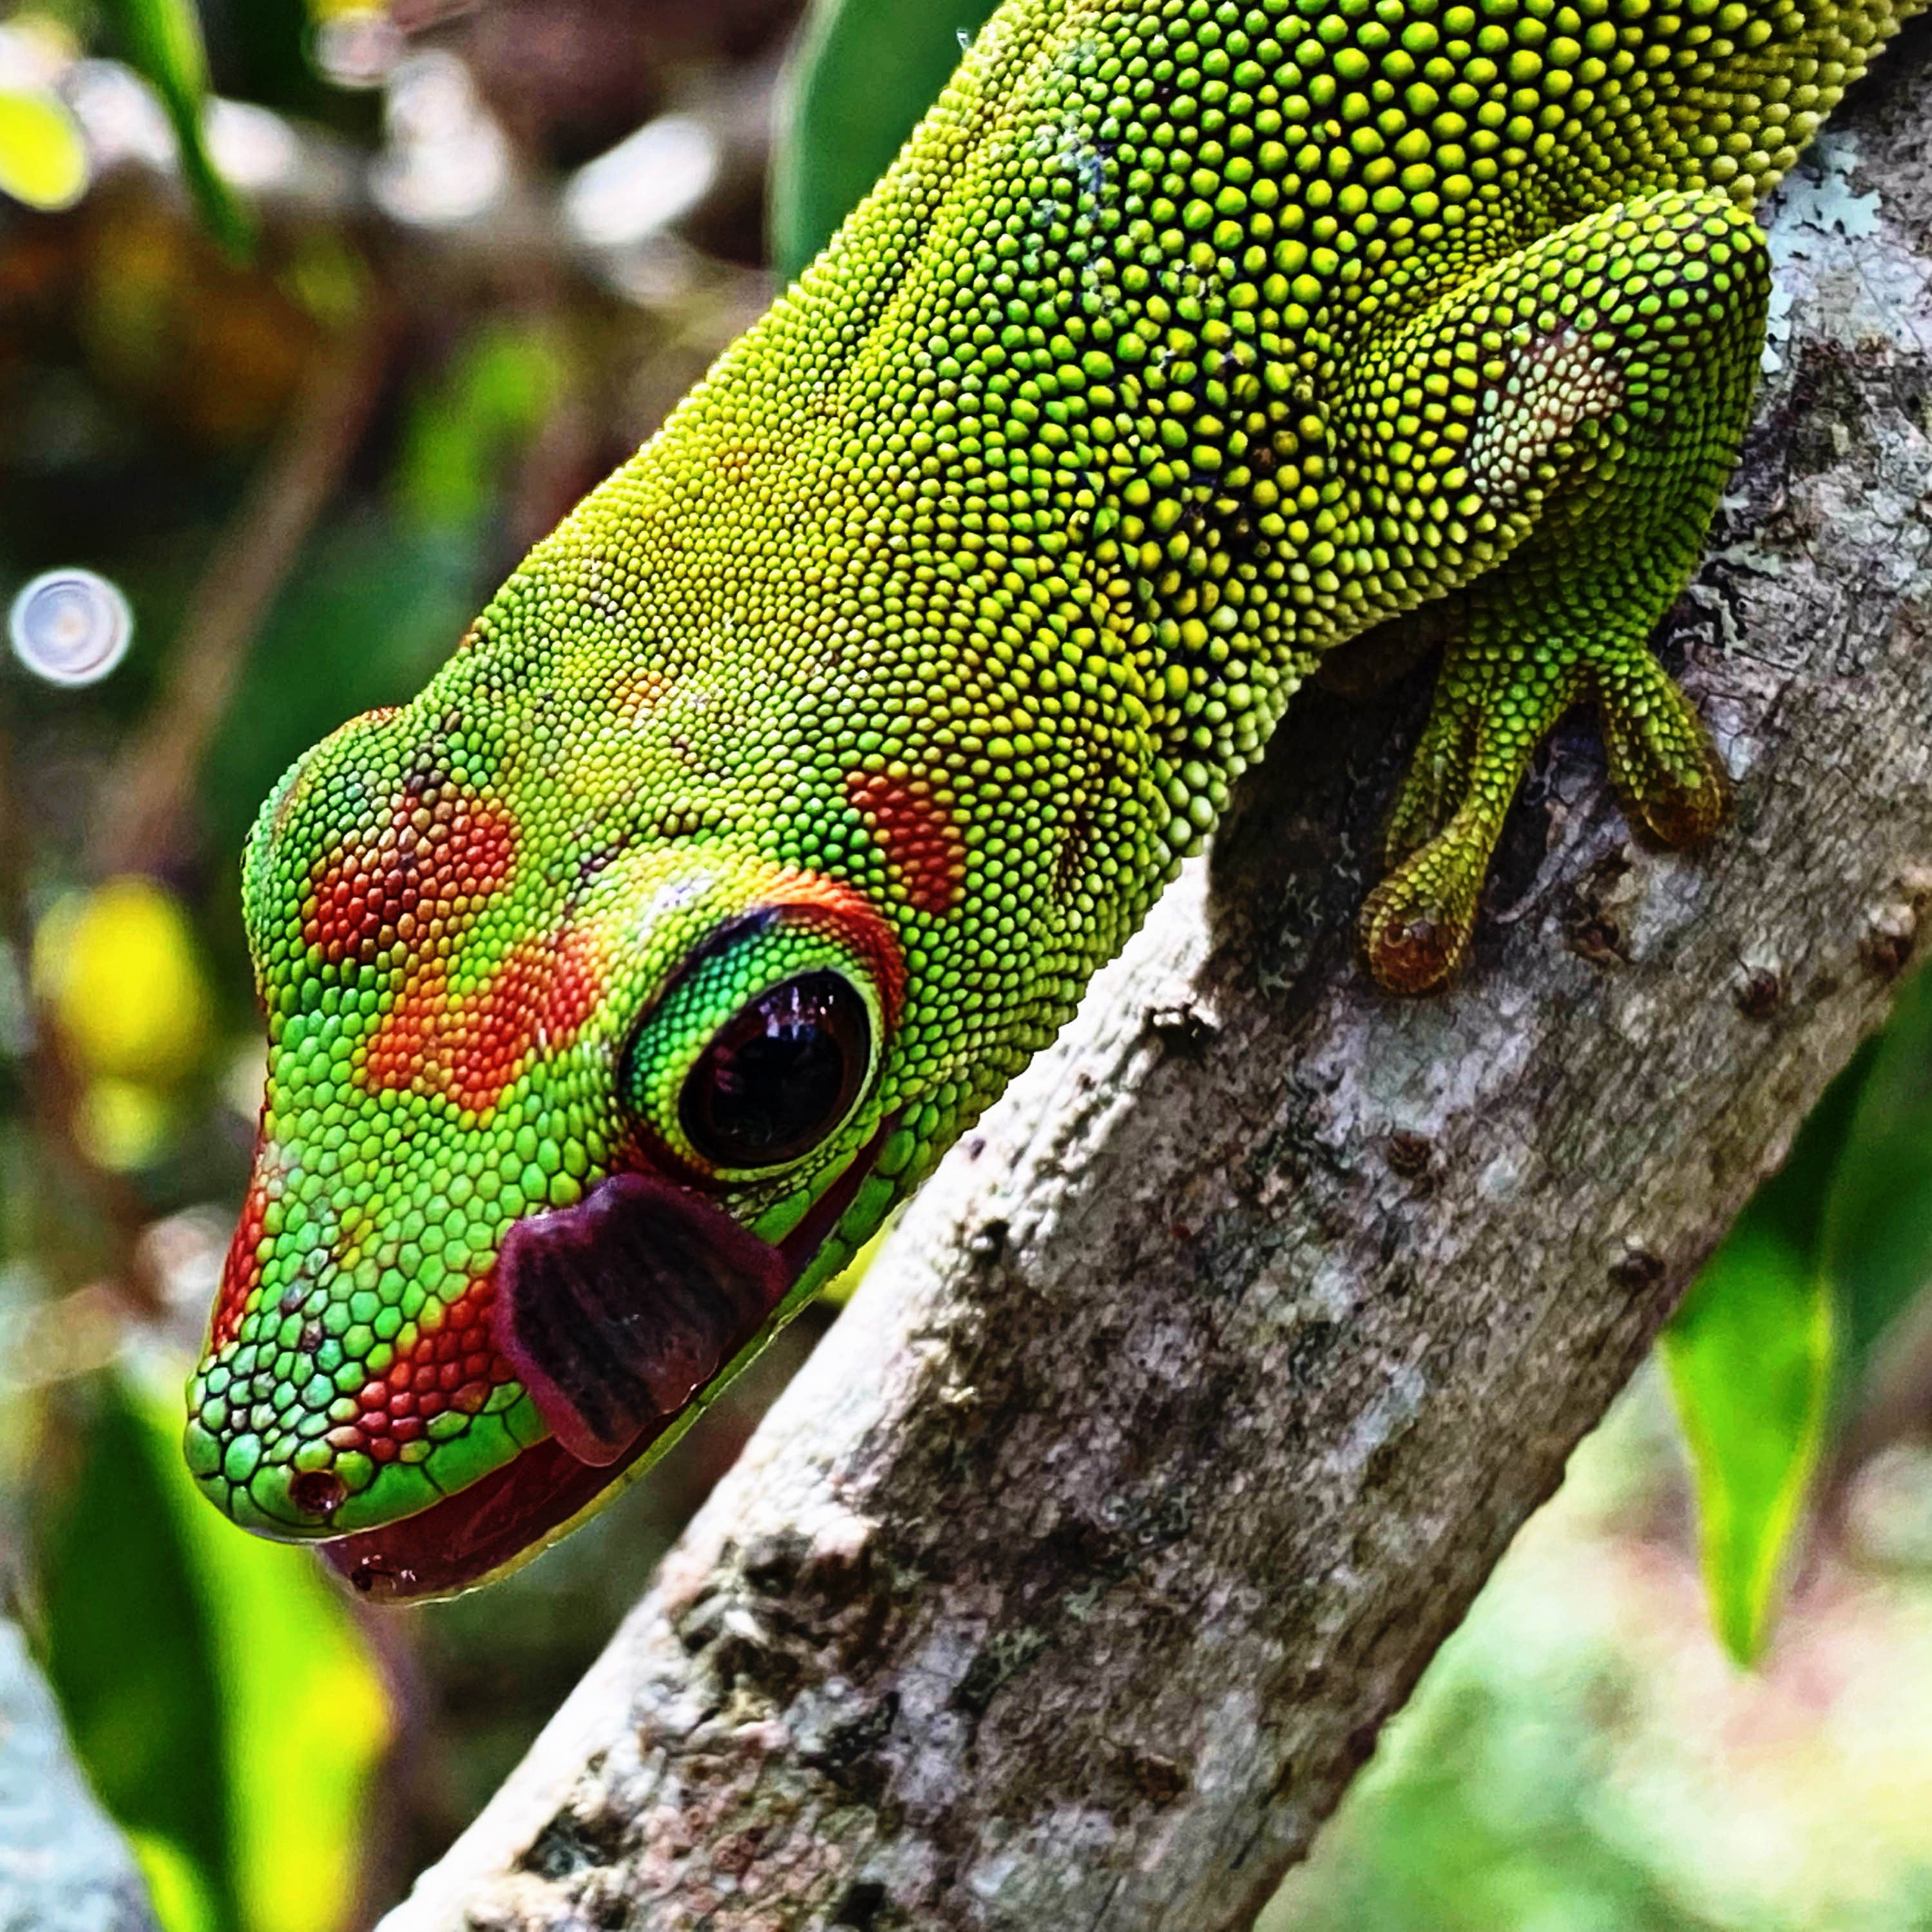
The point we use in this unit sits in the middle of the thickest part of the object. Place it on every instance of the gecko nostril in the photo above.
(317, 1492)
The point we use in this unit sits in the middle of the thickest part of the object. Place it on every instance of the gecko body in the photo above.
(784, 801)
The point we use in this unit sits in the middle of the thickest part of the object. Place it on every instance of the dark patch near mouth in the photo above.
(468, 1536)
(616, 1311)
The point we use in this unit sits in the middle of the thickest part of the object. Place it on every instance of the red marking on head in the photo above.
(454, 1364)
(813, 899)
(921, 844)
(469, 1050)
(440, 856)
(241, 1273)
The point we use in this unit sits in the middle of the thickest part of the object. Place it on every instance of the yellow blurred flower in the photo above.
(43, 156)
(119, 970)
(123, 1124)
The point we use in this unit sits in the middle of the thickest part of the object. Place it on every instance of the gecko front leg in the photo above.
(1575, 411)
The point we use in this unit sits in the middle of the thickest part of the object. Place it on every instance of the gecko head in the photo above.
(556, 1123)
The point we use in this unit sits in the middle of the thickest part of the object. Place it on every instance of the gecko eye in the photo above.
(780, 1075)
(756, 1058)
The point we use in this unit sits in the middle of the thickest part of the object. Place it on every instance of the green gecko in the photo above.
(784, 801)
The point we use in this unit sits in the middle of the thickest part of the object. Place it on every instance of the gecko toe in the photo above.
(1669, 778)
(1415, 927)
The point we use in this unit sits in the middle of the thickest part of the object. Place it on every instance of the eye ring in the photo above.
(781, 1076)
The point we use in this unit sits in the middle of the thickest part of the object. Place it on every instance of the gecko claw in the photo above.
(1411, 939)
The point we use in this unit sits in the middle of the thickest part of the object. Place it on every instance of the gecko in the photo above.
(782, 803)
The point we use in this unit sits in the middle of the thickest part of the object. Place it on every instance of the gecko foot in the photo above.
(1416, 924)
(1491, 712)
(1494, 704)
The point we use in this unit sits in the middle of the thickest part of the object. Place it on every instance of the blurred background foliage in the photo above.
(425, 273)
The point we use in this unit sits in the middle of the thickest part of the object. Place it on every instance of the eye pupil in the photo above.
(780, 1075)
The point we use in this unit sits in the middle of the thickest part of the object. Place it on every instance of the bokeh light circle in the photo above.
(71, 627)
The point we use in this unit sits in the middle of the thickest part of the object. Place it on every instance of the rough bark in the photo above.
(1070, 1583)
(64, 1867)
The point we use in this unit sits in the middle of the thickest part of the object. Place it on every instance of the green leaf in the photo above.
(307, 1718)
(162, 41)
(1774, 1342)
(1877, 1232)
(43, 156)
(249, 1668)
(1751, 1359)
(862, 74)
(182, 1900)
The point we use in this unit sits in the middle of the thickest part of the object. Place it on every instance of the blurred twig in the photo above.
(52, 1092)
(147, 795)
(12, 846)
(47, 1081)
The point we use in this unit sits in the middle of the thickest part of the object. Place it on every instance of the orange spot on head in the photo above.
(468, 1050)
(811, 898)
(440, 856)
(923, 845)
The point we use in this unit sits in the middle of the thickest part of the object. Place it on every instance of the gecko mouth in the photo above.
(617, 1314)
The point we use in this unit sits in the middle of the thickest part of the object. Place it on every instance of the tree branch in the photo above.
(63, 1866)
(1070, 1583)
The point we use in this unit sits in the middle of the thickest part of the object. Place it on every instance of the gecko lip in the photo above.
(713, 1284)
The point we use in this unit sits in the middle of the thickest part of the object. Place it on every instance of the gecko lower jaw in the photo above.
(614, 1313)
(570, 1316)
(480, 1531)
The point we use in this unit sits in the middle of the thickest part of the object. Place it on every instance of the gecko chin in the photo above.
(617, 1314)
